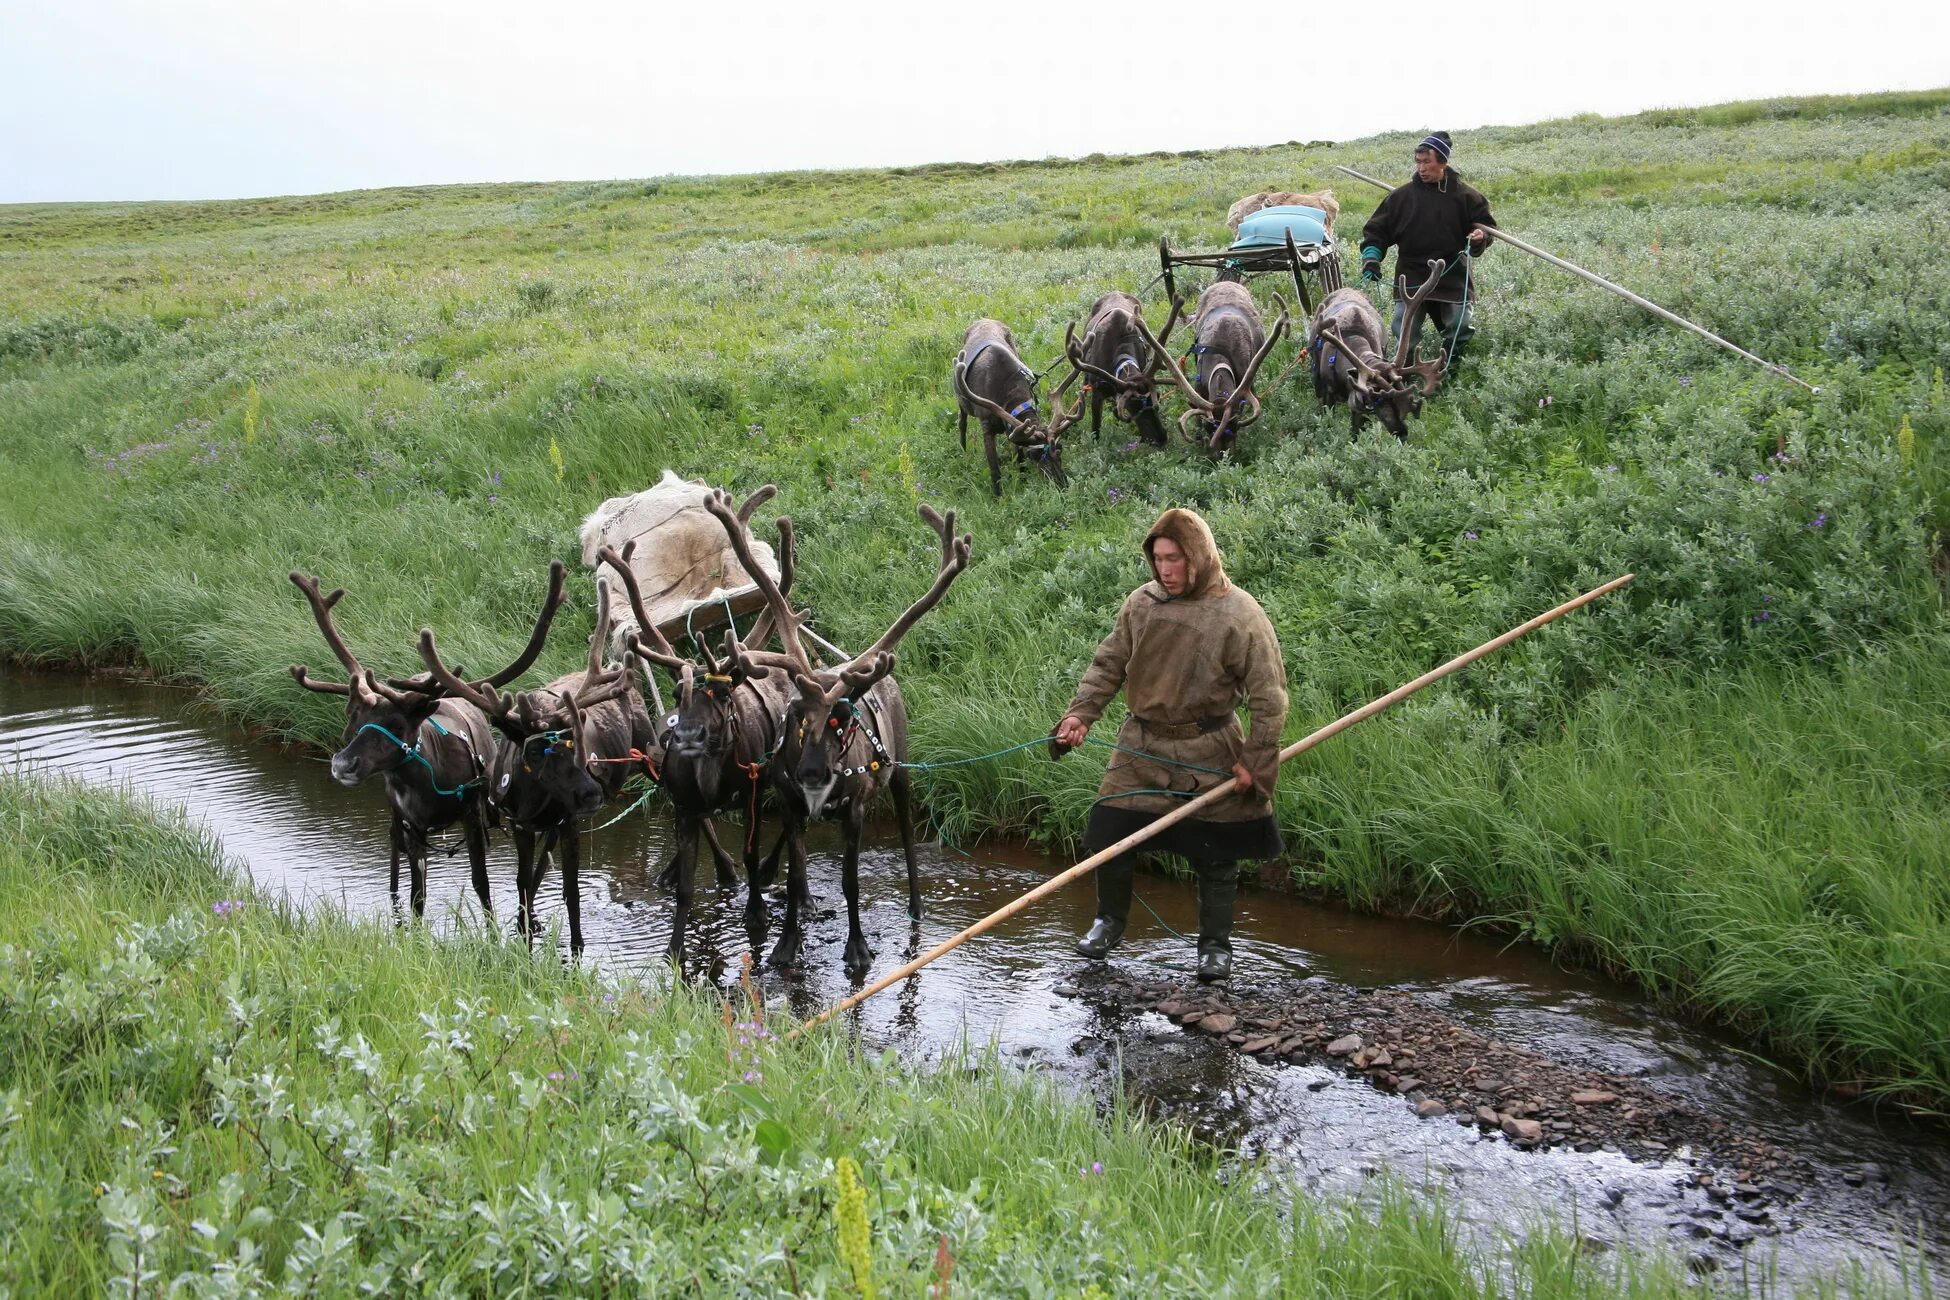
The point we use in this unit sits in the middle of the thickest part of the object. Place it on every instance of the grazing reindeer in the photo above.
(721, 738)
(1229, 346)
(1350, 360)
(434, 751)
(845, 736)
(992, 384)
(569, 747)
(1122, 361)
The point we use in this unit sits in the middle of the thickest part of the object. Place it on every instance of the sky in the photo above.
(198, 99)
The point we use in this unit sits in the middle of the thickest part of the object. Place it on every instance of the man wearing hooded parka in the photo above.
(1187, 648)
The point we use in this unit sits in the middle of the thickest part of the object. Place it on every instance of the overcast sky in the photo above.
(142, 99)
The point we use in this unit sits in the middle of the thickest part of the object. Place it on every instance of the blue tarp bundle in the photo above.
(1268, 228)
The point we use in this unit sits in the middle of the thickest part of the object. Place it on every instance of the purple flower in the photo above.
(1781, 458)
(1131, 445)
(1685, 381)
(1820, 520)
(1766, 615)
(753, 1076)
(1469, 534)
(555, 1074)
(1115, 496)
(225, 906)
(1763, 478)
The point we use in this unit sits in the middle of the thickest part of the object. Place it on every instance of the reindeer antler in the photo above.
(1245, 388)
(1158, 353)
(481, 695)
(1074, 351)
(954, 558)
(785, 620)
(1412, 314)
(600, 683)
(321, 612)
(961, 386)
(1192, 394)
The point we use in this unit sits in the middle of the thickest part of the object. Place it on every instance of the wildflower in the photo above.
(1611, 469)
(1765, 616)
(1906, 441)
(1781, 458)
(1096, 1167)
(1115, 496)
(1131, 445)
(1544, 401)
(555, 1075)
(1469, 534)
(225, 906)
(1685, 381)
(853, 419)
(1763, 477)
(1820, 520)
(850, 1220)
(753, 1076)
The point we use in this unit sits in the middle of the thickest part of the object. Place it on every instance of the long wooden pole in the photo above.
(1620, 290)
(1204, 801)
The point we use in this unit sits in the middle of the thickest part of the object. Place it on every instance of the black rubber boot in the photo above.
(1218, 883)
(1113, 906)
(1103, 936)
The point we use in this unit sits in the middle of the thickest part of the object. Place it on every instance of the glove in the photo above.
(1371, 265)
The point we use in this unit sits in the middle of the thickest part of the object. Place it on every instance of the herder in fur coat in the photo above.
(1187, 648)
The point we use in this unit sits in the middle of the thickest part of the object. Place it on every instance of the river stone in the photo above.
(1190, 1017)
(1218, 1022)
(1488, 1118)
(1344, 1046)
(1593, 1097)
(1381, 1057)
(1257, 1045)
(1407, 1084)
(1430, 1109)
(1172, 1008)
(1523, 1130)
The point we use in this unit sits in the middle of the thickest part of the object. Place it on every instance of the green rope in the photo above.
(641, 800)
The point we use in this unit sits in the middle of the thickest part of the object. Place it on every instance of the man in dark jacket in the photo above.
(1434, 216)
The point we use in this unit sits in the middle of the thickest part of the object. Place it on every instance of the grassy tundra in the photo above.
(1727, 782)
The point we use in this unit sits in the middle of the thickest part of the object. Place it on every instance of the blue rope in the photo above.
(1469, 280)
(413, 752)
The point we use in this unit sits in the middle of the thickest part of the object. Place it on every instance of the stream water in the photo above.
(279, 812)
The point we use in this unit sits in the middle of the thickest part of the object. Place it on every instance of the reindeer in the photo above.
(1120, 359)
(845, 736)
(1230, 344)
(721, 737)
(434, 751)
(992, 384)
(568, 749)
(1350, 361)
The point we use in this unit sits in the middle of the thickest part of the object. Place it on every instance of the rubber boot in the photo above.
(1113, 907)
(1218, 883)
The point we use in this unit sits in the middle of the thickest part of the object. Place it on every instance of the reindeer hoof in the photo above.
(786, 953)
(858, 957)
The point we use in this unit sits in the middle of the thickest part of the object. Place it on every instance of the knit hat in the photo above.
(1436, 142)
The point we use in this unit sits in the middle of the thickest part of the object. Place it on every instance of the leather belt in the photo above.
(1184, 730)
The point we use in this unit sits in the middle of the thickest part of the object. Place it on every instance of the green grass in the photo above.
(446, 379)
(230, 1102)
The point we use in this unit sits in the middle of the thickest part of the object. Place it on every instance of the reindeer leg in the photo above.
(416, 866)
(477, 850)
(964, 429)
(1096, 411)
(394, 832)
(858, 956)
(570, 842)
(792, 937)
(995, 462)
(726, 864)
(683, 861)
(527, 876)
(904, 813)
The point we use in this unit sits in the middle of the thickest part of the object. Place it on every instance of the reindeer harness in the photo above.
(413, 755)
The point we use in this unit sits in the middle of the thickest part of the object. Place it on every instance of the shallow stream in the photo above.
(1881, 1179)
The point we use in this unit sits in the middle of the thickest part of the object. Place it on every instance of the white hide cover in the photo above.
(683, 561)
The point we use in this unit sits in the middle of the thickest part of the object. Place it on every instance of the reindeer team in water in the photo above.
(824, 741)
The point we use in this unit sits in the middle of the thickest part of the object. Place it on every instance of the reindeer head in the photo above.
(383, 716)
(543, 776)
(1219, 407)
(703, 732)
(1119, 357)
(829, 736)
(1041, 441)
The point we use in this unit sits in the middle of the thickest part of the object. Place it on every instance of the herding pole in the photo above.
(1204, 801)
(1620, 290)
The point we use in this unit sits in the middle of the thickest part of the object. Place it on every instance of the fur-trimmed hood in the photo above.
(1195, 539)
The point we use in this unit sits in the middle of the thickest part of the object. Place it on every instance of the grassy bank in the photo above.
(201, 1093)
(418, 393)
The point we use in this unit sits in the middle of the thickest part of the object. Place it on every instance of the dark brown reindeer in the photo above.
(569, 747)
(845, 736)
(434, 751)
(1230, 344)
(1350, 358)
(721, 738)
(993, 385)
(1121, 360)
